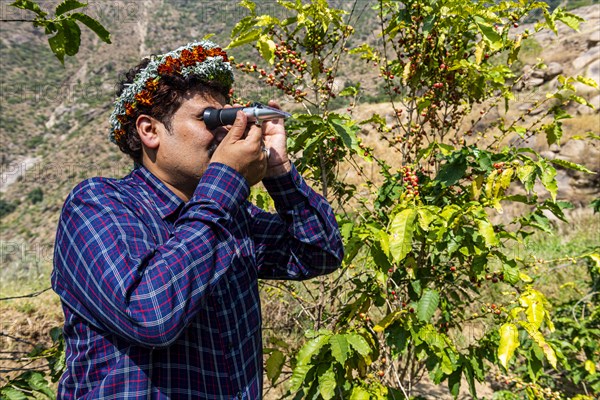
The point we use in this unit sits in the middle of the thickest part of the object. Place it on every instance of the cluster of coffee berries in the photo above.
(393, 293)
(491, 308)
(334, 150)
(499, 166)
(495, 277)
(411, 181)
(382, 366)
(533, 389)
(365, 317)
(475, 281)
(290, 57)
(366, 150)
(246, 67)
(386, 73)
(444, 326)
(458, 141)
(287, 74)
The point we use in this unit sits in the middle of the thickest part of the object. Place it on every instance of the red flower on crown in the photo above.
(151, 84)
(187, 58)
(129, 109)
(118, 134)
(217, 51)
(144, 98)
(199, 53)
(170, 66)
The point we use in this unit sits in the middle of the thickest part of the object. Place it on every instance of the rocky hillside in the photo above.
(573, 53)
(54, 120)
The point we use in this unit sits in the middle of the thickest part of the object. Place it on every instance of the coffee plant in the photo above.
(63, 31)
(432, 282)
(33, 383)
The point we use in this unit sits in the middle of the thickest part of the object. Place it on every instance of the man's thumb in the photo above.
(238, 128)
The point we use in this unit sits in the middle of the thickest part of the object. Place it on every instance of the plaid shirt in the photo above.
(161, 297)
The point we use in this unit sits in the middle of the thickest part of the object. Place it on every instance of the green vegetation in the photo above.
(460, 266)
(64, 26)
(35, 196)
(6, 207)
(571, 285)
(430, 283)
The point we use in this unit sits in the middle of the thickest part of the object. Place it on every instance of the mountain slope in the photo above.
(54, 120)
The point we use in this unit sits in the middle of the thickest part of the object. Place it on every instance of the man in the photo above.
(157, 272)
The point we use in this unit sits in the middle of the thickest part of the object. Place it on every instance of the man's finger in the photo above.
(254, 134)
(238, 128)
(274, 104)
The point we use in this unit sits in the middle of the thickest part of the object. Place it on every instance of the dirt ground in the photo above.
(26, 323)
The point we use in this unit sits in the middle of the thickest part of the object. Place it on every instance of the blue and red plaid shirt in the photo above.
(161, 297)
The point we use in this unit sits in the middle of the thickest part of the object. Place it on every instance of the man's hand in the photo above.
(275, 139)
(242, 150)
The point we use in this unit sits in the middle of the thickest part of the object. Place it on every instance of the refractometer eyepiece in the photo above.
(257, 112)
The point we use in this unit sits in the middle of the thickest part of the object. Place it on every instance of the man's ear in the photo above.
(147, 127)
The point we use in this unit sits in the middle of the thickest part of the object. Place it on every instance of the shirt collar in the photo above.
(167, 203)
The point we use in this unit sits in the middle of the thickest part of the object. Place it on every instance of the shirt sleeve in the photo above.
(106, 271)
(302, 239)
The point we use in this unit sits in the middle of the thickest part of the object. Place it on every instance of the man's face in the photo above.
(186, 148)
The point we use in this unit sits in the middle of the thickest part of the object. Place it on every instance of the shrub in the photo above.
(431, 282)
(6, 207)
(35, 196)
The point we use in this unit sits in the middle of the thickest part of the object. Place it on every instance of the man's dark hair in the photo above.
(167, 98)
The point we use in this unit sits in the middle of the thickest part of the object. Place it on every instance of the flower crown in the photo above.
(204, 60)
